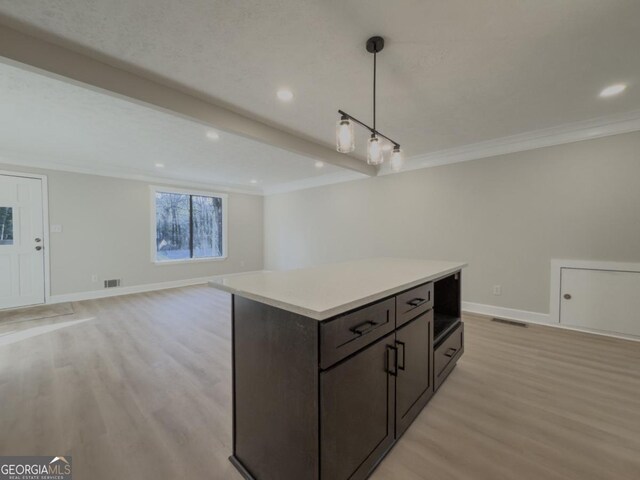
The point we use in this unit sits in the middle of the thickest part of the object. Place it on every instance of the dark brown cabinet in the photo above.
(356, 424)
(326, 400)
(349, 333)
(447, 354)
(413, 302)
(414, 384)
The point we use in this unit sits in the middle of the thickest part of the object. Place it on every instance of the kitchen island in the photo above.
(332, 364)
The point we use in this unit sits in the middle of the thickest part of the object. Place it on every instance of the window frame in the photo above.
(186, 191)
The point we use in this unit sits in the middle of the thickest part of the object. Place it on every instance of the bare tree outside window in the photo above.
(207, 226)
(6, 226)
(188, 226)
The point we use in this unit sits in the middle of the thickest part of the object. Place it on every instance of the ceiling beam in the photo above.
(80, 68)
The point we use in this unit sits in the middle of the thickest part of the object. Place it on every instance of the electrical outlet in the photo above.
(56, 229)
(497, 289)
(94, 278)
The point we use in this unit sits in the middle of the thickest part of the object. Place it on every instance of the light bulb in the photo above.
(374, 152)
(285, 95)
(397, 159)
(613, 90)
(345, 139)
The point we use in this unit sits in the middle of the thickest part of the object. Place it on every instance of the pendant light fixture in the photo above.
(345, 137)
(397, 159)
(374, 151)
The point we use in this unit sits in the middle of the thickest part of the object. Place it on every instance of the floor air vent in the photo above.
(112, 283)
(509, 322)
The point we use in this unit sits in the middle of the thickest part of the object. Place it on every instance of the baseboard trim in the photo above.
(117, 291)
(535, 318)
(508, 313)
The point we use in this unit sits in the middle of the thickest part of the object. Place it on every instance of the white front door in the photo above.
(21, 242)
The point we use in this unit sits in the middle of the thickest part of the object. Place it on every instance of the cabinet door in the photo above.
(414, 384)
(357, 411)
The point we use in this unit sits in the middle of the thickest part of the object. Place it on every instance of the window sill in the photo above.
(188, 260)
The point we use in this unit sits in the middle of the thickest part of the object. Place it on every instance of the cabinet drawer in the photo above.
(414, 302)
(447, 354)
(351, 332)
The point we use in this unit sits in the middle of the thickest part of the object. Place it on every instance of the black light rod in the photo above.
(396, 144)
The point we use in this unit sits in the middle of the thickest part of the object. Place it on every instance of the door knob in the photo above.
(38, 248)
(38, 240)
(567, 296)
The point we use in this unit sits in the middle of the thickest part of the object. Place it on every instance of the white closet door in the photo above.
(601, 300)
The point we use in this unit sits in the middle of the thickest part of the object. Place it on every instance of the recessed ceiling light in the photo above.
(254, 181)
(612, 90)
(319, 164)
(285, 94)
(213, 135)
(159, 165)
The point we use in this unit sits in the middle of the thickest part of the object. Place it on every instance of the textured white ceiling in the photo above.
(48, 122)
(453, 72)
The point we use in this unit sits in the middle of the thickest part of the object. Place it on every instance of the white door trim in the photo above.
(556, 278)
(45, 225)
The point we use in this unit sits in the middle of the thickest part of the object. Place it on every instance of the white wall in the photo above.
(508, 216)
(107, 231)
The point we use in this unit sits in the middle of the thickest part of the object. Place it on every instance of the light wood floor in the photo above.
(142, 390)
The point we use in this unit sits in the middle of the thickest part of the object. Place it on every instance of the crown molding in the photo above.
(567, 133)
(547, 137)
(117, 173)
(558, 135)
(21, 49)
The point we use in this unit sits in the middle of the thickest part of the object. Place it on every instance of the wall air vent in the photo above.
(112, 283)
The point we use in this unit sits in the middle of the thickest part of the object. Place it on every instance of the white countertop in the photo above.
(328, 290)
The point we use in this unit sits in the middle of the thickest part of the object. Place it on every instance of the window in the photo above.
(188, 225)
(6, 226)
